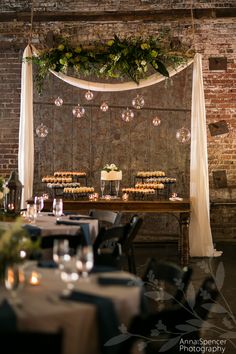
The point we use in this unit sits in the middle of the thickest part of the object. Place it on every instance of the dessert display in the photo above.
(62, 181)
(146, 174)
(138, 190)
(111, 173)
(69, 174)
(139, 193)
(153, 185)
(53, 179)
(78, 192)
(161, 179)
(63, 185)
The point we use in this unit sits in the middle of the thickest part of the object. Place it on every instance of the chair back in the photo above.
(171, 320)
(172, 274)
(134, 227)
(109, 237)
(107, 216)
(206, 295)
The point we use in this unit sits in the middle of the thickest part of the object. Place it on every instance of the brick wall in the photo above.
(9, 114)
(214, 37)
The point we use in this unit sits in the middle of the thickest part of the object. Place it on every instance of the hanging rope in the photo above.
(31, 23)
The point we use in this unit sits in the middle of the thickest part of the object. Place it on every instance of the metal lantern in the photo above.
(13, 197)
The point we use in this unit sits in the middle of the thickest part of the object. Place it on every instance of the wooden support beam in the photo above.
(118, 16)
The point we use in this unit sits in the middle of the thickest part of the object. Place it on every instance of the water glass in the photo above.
(60, 251)
(84, 260)
(69, 273)
(117, 187)
(102, 186)
(57, 207)
(31, 213)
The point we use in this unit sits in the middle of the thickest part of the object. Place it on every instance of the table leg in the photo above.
(184, 238)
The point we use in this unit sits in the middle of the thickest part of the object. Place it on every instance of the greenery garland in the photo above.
(117, 59)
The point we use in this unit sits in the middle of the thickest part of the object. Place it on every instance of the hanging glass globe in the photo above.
(138, 102)
(104, 107)
(156, 121)
(88, 95)
(127, 115)
(42, 131)
(183, 135)
(58, 101)
(78, 111)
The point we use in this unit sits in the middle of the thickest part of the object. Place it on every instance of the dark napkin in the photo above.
(47, 264)
(81, 217)
(118, 281)
(108, 324)
(84, 228)
(7, 317)
(32, 230)
(103, 269)
(51, 214)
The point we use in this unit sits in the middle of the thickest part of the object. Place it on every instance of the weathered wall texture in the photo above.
(101, 138)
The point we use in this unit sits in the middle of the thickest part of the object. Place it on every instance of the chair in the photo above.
(107, 246)
(169, 275)
(168, 327)
(119, 241)
(106, 216)
(31, 342)
(127, 243)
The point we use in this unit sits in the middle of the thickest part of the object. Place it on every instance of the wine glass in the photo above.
(84, 260)
(117, 187)
(39, 202)
(102, 186)
(60, 251)
(57, 207)
(69, 273)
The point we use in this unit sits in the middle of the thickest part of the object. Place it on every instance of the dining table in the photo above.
(179, 208)
(43, 307)
(48, 225)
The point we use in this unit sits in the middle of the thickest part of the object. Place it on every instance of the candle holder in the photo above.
(13, 197)
(35, 278)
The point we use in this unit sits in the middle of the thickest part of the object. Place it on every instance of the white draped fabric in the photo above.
(125, 86)
(200, 237)
(26, 132)
(200, 232)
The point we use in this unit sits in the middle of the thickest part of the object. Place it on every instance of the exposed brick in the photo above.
(135, 146)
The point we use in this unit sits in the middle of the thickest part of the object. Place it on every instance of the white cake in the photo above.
(111, 175)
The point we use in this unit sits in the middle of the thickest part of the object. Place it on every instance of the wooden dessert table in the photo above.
(180, 209)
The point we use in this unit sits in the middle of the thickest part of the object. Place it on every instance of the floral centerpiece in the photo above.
(111, 173)
(111, 167)
(15, 245)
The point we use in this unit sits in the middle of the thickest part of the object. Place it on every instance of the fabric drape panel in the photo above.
(125, 86)
(200, 237)
(26, 133)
